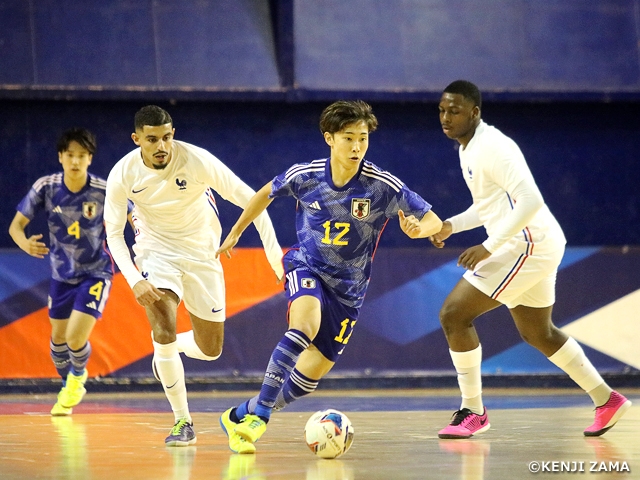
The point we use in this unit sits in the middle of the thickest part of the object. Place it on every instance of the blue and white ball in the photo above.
(329, 433)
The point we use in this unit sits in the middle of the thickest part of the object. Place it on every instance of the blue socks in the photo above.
(79, 359)
(69, 361)
(297, 386)
(282, 363)
(60, 356)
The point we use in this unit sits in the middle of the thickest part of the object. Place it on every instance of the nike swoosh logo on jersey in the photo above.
(213, 310)
(475, 274)
(138, 191)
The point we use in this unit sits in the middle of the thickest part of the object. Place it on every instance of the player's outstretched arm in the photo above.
(415, 228)
(32, 245)
(258, 204)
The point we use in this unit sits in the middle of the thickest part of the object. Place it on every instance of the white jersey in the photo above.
(506, 199)
(174, 209)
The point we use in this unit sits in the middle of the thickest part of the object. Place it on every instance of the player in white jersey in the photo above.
(81, 267)
(177, 233)
(515, 266)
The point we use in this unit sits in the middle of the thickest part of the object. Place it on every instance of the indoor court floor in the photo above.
(120, 436)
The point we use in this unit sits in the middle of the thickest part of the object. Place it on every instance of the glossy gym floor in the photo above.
(121, 436)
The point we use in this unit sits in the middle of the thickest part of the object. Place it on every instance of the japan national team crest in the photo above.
(308, 283)
(89, 209)
(360, 208)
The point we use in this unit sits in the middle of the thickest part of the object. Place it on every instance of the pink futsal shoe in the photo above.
(465, 424)
(608, 414)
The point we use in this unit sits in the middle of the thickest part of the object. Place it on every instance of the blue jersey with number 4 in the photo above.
(338, 228)
(77, 247)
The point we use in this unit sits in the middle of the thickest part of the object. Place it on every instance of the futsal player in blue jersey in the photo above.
(344, 204)
(81, 266)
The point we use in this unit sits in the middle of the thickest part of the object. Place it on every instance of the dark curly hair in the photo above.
(151, 115)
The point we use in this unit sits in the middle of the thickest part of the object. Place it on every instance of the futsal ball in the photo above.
(328, 433)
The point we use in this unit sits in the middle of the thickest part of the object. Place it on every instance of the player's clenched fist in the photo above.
(438, 239)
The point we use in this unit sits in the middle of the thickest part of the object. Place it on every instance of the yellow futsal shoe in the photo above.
(251, 428)
(72, 393)
(60, 411)
(237, 444)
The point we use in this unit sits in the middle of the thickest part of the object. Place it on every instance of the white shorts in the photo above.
(200, 284)
(514, 278)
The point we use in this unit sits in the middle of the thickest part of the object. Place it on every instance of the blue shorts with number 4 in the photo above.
(337, 321)
(89, 296)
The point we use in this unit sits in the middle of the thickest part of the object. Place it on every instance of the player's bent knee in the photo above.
(535, 339)
(453, 322)
(450, 318)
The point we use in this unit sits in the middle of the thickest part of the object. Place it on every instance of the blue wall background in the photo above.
(247, 79)
(582, 154)
(301, 49)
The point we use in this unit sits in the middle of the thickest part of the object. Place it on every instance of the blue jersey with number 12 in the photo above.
(338, 228)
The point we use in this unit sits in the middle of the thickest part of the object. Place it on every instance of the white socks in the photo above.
(187, 344)
(468, 366)
(171, 373)
(171, 370)
(571, 359)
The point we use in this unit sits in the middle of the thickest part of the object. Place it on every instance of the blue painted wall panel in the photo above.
(217, 43)
(581, 45)
(16, 66)
(86, 43)
(144, 44)
(307, 49)
(402, 44)
(19, 271)
(584, 156)
(561, 45)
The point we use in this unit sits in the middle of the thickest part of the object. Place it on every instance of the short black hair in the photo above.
(346, 112)
(151, 115)
(84, 137)
(467, 89)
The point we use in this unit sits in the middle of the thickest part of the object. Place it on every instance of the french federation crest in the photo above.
(360, 208)
(89, 210)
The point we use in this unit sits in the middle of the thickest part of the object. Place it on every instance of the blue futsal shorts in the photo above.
(89, 296)
(337, 320)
